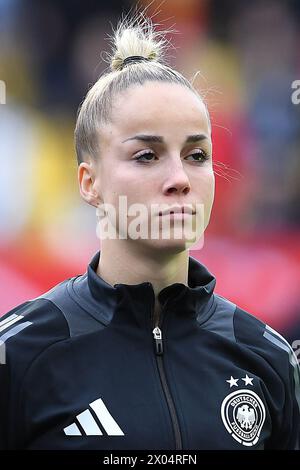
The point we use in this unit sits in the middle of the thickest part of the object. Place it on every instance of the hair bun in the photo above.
(136, 40)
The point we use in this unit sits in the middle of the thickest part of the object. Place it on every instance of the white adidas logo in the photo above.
(89, 424)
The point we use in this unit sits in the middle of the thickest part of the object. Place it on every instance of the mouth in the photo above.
(178, 211)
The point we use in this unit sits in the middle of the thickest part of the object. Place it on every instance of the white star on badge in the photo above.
(232, 381)
(247, 380)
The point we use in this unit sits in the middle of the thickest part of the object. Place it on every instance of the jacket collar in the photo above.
(136, 301)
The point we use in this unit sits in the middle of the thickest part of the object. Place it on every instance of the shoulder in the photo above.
(26, 333)
(256, 334)
(264, 340)
(32, 327)
(253, 335)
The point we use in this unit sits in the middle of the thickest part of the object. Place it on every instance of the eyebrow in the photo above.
(159, 139)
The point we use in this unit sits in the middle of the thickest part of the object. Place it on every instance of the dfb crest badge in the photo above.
(243, 414)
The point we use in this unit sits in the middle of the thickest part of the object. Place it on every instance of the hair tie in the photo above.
(134, 58)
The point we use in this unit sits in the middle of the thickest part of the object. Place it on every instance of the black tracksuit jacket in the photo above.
(84, 367)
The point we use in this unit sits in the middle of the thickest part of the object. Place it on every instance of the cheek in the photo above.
(123, 182)
(205, 192)
(205, 187)
(212, 186)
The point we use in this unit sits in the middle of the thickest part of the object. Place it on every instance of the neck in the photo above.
(123, 263)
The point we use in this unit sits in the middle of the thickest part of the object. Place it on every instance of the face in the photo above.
(157, 152)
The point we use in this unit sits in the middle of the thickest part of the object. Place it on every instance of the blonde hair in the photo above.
(133, 37)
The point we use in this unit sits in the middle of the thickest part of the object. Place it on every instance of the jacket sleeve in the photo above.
(286, 433)
(12, 364)
(291, 419)
(4, 397)
(279, 372)
(25, 333)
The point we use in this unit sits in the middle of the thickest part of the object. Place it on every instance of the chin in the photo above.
(174, 246)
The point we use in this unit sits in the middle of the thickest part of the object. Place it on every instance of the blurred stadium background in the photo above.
(248, 55)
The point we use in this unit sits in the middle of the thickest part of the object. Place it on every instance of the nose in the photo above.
(177, 180)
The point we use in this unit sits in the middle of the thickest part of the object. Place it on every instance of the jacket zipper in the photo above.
(157, 333)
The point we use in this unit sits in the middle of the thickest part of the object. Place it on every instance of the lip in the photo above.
(178, 210)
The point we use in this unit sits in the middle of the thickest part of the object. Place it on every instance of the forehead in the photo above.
(158, 107)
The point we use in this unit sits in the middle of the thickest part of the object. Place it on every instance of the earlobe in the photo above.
(86, 180)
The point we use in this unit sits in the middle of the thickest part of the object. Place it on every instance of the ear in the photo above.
(87, 180)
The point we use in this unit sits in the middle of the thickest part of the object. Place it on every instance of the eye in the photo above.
(145, 157)
(198, 157)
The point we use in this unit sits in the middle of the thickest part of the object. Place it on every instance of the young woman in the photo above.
(139, 352)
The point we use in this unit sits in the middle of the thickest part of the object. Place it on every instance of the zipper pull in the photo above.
(158, 341)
